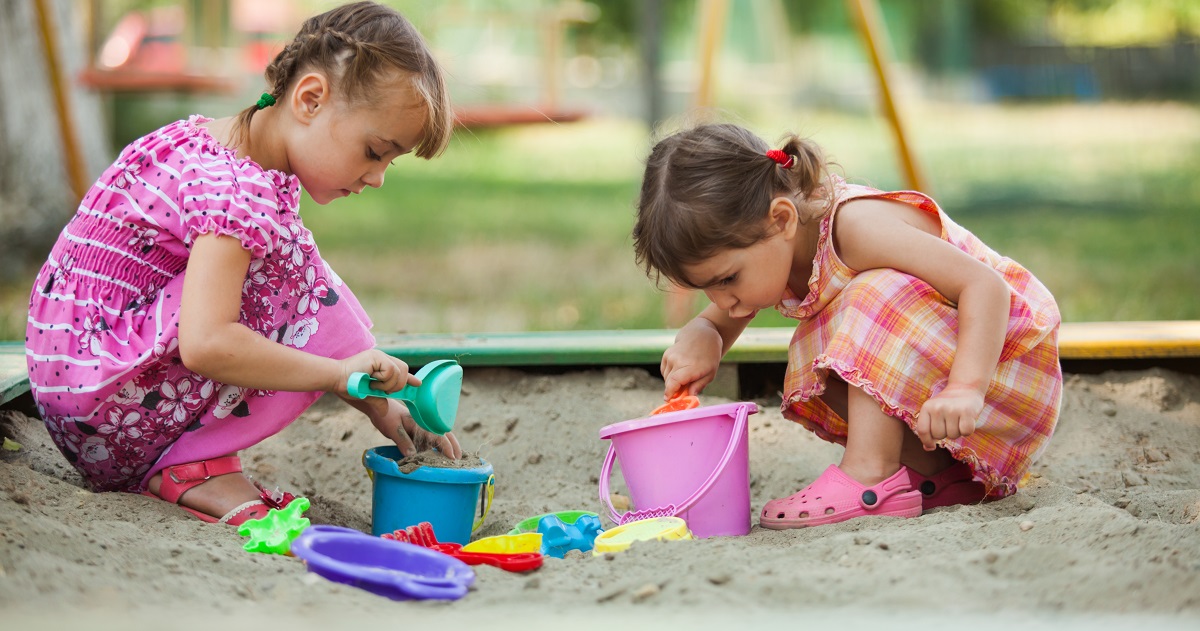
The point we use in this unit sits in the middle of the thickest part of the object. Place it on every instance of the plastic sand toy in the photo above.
(507, 544)
(559, 538)
(531, 524)
(433, 404)
(274, 533)
(679, 401)
(422, 535)
(657, 529)
(396, 570)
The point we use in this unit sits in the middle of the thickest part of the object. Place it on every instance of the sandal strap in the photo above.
(236, 510)
(180, 478)
(871, 498)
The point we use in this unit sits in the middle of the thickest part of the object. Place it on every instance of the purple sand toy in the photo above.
(559, 538)
(400, 571)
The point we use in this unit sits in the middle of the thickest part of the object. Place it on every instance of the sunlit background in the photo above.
(1065, 133)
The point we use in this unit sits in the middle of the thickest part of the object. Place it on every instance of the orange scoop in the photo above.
(679, 401)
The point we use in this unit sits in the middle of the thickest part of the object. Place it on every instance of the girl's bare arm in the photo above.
(871, 234)
(213, 343)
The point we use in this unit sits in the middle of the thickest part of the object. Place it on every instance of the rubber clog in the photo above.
(954, 485)
(835, 497)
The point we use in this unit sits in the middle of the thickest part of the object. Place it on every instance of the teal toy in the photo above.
(559, 538)
(274, 533)
(433, 404)
(567, 517)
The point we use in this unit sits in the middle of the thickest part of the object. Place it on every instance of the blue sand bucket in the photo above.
(445, 498)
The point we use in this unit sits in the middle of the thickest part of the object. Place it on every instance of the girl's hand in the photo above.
(949, 414)
(692, 361)
(391, 373)
(393, 420)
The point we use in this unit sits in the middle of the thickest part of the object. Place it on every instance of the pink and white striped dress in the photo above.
(893, 336)
(102, 336)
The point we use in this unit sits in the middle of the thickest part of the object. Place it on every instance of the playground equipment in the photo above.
(869, 24)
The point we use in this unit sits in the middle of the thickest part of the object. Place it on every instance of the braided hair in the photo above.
(357, 46)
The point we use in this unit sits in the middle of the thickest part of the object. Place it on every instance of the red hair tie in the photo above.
(786, 161)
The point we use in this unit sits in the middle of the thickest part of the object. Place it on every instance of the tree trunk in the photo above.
(36, 197)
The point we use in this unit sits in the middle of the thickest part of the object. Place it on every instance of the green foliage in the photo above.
(528, 228)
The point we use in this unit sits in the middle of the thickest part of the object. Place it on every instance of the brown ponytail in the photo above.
(708, 189)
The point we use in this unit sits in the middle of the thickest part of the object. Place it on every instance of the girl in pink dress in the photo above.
(930, 357)
(185, 312)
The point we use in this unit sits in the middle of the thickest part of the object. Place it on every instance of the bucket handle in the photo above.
(670, 510)
(486, 493)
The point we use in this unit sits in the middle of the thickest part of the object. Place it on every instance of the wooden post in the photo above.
(680, 301)
(870, 27)
(712, 27)
(62, 102)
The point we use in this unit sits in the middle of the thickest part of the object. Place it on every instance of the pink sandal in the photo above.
(835, 497)
(956, 484)
(178, 479)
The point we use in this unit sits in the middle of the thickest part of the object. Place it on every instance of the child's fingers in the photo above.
(685, 380)
(697, 386)
(403, 441)
(448, 444)
(392, 373)
(384, 372)
(410, 378)
(672, 384)
(923, 431)
(966, 426)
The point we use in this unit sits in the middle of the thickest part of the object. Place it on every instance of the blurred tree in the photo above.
(36, 193)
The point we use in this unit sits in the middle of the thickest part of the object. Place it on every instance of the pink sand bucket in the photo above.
(693, 464)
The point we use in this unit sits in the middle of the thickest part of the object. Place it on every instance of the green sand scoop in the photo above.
(433, 404)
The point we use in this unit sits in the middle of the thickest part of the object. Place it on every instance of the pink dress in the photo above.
(894, 336)
(102, 336)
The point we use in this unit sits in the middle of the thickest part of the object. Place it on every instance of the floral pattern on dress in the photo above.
(103, 346)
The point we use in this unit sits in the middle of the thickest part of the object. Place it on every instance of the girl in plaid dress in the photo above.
(185, 312)
(931, 358)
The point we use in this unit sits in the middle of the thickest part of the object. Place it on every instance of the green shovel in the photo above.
(433, 404)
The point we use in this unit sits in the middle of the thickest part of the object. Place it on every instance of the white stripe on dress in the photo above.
(105, 246)
(133, 203)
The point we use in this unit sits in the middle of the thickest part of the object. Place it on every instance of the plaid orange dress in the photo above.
(893, 336)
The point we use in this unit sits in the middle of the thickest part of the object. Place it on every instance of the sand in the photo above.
(1105, 533)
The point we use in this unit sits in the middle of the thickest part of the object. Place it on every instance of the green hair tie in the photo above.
(266, 100)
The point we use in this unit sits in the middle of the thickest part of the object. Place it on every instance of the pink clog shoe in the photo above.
(956, 484)
(835, 497)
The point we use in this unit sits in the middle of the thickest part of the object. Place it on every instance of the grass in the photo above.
(527, 228)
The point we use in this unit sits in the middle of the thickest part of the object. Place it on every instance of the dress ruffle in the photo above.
(893, 336)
